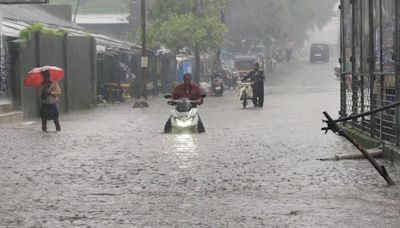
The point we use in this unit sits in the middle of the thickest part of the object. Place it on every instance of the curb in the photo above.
(390, 152)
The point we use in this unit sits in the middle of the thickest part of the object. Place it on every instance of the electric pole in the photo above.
(217, 65)
(144, 59)
(76, 10)
(197, 61)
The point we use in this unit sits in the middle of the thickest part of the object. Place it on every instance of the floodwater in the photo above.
(112, 166)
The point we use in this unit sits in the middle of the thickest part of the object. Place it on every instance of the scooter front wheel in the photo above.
(244, 101)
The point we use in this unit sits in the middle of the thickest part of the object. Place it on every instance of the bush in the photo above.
(25, 34)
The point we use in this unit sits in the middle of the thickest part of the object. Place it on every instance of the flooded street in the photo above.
(112, 166)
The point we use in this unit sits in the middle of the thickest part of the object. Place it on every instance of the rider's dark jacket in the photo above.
(256, 76)
(193, 92)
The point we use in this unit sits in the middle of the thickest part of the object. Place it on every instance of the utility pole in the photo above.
(76, 10)
(218, 64)
(144, 58)
(197, 62)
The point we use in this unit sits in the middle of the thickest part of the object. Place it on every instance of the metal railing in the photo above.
(359, 91)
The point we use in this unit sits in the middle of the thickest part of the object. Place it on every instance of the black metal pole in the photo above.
(144, 59)
(371, 62)
(381, 78)
(361, 70)
(397, 70)
(342, 60)
(354, 84)
(76, 10)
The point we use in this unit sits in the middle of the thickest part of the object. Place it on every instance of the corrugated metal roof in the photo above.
(33, 13)
(19, 17)
(12, 29)
(102, 18)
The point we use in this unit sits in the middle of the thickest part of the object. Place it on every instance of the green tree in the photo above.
(185, 31)
(192, 24)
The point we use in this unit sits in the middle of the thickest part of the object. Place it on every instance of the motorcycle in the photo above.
(184, 117)
(270, 65)
(217, 85)
(231, 80)
(245, 93)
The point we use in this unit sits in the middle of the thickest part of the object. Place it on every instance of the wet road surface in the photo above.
(112, 166)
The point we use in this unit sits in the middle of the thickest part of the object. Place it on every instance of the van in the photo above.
(319, 52)
(244, 63)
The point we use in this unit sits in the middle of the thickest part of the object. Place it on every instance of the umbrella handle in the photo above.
(38, 91)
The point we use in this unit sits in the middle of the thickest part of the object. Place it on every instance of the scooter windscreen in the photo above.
(183, 106)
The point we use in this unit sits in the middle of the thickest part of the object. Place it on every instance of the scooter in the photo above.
(217, 85)
(184, 117)
(231, 80)
(245, 93)
(270, 65)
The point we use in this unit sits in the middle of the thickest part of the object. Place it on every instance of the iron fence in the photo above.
(370, 60)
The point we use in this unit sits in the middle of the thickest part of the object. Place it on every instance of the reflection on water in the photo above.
(186, 150)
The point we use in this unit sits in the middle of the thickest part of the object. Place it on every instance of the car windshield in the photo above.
(318, 47)
(244, 65)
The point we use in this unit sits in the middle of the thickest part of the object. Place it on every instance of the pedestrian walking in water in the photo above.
(49, 96)
(257, 77)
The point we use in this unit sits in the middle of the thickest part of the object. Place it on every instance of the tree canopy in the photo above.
(263, 20)
(181, 24)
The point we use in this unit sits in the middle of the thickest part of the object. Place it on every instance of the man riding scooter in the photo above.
(186, 90)
(257, 77)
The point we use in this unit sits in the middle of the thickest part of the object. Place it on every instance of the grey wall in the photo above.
(81, 72)
(29, 96)
(51, 53)
(76, 55)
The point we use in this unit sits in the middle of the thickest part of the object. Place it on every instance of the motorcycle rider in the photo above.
(257, 78)
(215, 76)
(187, 90)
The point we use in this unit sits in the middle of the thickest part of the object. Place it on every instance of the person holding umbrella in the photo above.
(46, 77)
(49, 92)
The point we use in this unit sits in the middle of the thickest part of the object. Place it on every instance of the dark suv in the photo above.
(319, 52)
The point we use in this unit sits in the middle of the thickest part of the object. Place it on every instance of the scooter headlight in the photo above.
(186, 123)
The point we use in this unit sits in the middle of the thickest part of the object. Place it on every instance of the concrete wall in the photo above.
(390, 152)
(76, 55)
(29, 96)
(81, 72)
(51, 53)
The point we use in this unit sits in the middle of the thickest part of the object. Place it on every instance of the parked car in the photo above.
(319, 52)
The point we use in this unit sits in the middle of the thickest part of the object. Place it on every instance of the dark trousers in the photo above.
(258, 96)
(56, 123)
(49, 112)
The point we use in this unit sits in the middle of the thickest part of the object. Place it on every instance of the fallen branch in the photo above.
(335, 129)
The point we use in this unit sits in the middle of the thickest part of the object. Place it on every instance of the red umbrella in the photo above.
(34, 77)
